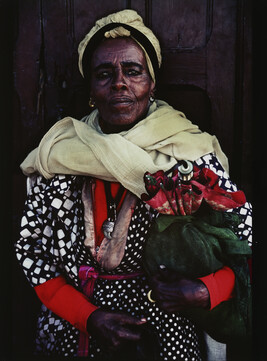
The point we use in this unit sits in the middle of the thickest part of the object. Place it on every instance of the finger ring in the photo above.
(149, 297)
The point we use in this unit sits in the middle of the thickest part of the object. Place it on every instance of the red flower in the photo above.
(170, 195)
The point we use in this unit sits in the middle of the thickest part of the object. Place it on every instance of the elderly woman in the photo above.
(84, 224)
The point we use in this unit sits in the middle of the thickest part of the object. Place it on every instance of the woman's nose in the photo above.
(118, 82)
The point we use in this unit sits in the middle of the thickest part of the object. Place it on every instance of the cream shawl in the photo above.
(157, 142)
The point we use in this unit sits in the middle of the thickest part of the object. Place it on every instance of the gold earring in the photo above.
(91, 103)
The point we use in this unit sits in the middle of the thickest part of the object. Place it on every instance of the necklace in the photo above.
(112, 204)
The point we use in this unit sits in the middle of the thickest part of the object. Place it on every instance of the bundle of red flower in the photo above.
(194, 244)
(171, 195)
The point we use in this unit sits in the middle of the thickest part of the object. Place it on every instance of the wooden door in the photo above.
(206, 73)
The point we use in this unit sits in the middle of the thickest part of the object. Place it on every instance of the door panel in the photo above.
(181, 25)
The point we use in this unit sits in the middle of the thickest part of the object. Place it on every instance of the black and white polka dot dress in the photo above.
(51, 244)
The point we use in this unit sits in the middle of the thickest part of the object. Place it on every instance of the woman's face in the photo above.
(120, 83)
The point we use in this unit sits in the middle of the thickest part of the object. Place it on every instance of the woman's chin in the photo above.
(117, 126)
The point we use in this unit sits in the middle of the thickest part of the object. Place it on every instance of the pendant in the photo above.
(107, 228)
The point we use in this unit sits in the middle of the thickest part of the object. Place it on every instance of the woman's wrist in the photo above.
(202, 296)
(90, 320)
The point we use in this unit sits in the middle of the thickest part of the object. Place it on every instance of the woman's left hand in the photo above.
(173, 293)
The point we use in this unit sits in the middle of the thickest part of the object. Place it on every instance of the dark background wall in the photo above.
(207, 73)
(206, 70)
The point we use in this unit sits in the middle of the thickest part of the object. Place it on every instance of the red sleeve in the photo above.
(66, 302)
(220, 285)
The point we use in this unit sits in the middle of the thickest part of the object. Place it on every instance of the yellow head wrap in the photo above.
(132, 25)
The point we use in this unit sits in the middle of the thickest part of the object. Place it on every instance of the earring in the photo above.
(91, 103)
(152, 99)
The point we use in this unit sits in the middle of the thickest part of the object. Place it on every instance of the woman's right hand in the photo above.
(113, 329)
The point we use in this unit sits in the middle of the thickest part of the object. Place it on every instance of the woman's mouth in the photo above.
(121, 101)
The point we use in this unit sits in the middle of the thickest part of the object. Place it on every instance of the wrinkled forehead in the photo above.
(118, 50)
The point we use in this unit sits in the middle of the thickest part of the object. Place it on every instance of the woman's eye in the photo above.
(133, 72)
(103, 75)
